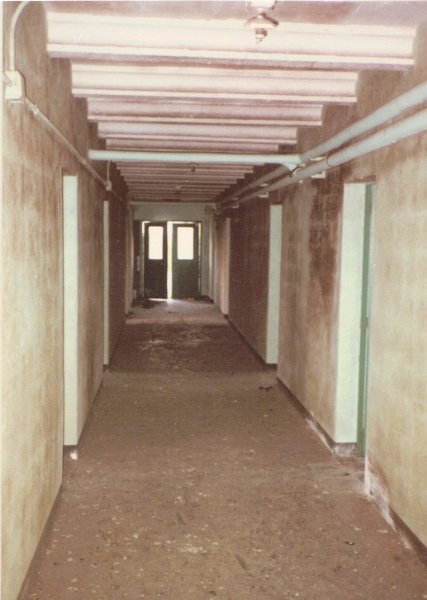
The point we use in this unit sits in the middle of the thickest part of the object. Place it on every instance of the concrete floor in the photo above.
(196, 479)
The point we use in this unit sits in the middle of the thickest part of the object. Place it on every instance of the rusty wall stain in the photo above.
(323, 238)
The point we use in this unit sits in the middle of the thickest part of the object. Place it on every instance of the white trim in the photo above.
(106, 217)
(71, 308)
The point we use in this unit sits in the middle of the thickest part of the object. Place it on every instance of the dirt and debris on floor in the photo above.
(196, 479)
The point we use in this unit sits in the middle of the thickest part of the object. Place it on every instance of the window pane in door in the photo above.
(155, 242)
(185, 243)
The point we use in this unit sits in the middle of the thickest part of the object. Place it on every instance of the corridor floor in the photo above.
(196, 479)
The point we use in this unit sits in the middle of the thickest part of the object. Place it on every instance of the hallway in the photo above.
(196, 478)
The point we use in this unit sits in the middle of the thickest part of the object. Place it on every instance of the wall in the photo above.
(247, 272)
(307, 347)
(118, 270)
(129, 257)
(90, 329)
(397, 411)
(32, 294)
(190, 211)
(397, 388)
(249, 266)
(221, 284)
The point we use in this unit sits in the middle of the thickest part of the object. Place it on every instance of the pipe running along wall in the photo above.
(39, 114)
(410, 126)
(392, 109)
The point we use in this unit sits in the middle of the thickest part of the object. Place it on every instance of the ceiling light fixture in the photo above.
(262, 22)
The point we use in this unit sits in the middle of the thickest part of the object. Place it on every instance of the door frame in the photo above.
(365, 313)
(169, 251)
(70, 221)
(144, 247)
(173, 241)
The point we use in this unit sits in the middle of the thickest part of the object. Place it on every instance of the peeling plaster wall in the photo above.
(32, 294)
(397, 386)
(222, 263)
(249, 266)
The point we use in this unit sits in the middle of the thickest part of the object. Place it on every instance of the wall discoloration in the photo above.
(32, 297)
(249, 273)
(397, 416)
(90, 333)
(118, 224)
(324, 221)
(311, 219)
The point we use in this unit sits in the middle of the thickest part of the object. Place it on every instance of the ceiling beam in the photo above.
(186, 39)
(100, 109)
(88, 79)
(258, 147)
(215, 96)
(263, 132)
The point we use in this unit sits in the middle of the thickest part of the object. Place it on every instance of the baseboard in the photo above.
(409, 537)
(337, 448)
(68, 448)
(251, 348)
(376, 490)
(32, 569)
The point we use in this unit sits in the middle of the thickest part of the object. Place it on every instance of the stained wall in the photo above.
(397, 408)
(32, 293)
(312, 221)
(249, 266)
(308, 320)
(118, 270)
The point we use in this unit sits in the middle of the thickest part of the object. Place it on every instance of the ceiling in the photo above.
(189, 76)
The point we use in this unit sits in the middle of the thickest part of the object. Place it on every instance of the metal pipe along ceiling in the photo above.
(198, 157)
(392, 109)
(404, 128)
(410, 126)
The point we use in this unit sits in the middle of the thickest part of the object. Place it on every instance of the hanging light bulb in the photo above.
(261, 24)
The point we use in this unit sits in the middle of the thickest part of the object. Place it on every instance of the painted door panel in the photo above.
(185, 261)
(155, 260)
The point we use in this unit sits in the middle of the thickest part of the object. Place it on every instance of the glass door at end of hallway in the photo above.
(171, 259)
